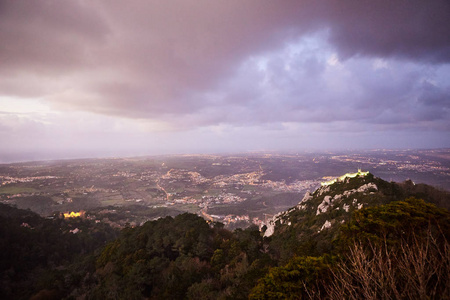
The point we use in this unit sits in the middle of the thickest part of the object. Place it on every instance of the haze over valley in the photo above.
(237, 190)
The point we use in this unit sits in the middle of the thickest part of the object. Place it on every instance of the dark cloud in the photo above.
(194, 64)
(435, 96)
(434, 103)
(159, 52)
(48, 36)
(417, 30)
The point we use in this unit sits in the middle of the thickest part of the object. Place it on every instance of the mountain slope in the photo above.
(35, 251)
(299, 253)
(311, 227)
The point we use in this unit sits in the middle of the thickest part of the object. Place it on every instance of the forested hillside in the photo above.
(357, 238)
(38, 254)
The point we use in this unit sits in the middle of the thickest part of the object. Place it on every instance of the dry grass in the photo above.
(418, 269)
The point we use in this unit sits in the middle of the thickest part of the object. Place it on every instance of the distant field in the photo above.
(111, 202)
(192, 208)
(86, 184)
(251, 188)
(16, 190)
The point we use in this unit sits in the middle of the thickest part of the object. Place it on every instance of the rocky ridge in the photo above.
(334, 202)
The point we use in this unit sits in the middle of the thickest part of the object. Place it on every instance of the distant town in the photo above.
(236, 190)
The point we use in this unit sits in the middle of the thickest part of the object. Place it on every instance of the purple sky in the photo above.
(90, 78)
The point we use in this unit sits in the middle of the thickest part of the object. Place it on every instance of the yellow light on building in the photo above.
(74, 214)
(348, 175)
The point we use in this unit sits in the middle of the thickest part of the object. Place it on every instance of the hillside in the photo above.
(318, 249)
(313, 225)
(237, 190)
(36, 252)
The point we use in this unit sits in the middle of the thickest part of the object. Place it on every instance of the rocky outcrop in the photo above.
(325, 200)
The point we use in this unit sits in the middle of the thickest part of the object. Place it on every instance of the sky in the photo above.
(96, 78)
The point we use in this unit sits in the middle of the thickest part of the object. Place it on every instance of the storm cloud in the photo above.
(189, 72)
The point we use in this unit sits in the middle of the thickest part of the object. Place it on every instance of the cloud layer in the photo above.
(167, 69)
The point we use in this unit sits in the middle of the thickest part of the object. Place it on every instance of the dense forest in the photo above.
(394, 245)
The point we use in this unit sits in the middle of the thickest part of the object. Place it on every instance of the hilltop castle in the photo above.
(342, 178)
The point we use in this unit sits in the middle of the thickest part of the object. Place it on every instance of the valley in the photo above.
(237, 190)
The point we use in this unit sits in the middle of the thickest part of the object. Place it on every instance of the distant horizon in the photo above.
(4, 161)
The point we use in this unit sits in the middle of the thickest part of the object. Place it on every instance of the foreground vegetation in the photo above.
(395, 251)
(398, 249)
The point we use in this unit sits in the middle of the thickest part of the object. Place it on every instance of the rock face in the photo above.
(322, 212)
(332, 203)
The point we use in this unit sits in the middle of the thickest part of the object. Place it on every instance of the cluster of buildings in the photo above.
(252, 178)
(296, 186)
(232, 219)
(4, 180)
(404, 162)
